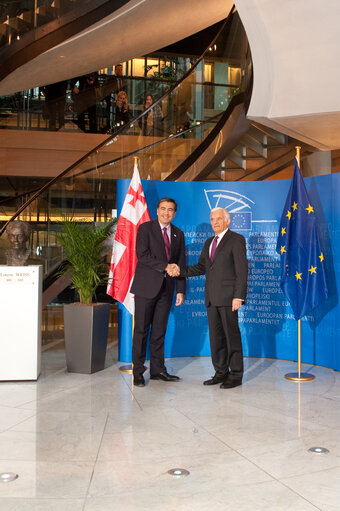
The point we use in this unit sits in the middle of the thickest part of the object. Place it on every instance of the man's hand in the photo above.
(179, 298)
(236, 304)
(172, 270)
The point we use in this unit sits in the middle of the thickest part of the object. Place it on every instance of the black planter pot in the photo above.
(85, 330)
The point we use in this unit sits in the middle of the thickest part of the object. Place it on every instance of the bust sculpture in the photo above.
(18, 233)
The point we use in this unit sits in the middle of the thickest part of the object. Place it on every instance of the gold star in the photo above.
(288, 215)
(283, 231)
(298, 276)
(312, 269)
(321, 257)
(283, 248)
(294, 206)
(310, 209)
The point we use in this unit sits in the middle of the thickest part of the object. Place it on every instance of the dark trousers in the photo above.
(225, 341)
(154, 313)
(91, 113)
(56, 111)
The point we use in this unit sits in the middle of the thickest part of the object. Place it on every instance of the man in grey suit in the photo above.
(158, 244)
(223, 260)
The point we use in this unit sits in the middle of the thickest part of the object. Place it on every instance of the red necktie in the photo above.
(166, 243)
(213, 248)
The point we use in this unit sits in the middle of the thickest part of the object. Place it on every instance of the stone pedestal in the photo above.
(20, 322)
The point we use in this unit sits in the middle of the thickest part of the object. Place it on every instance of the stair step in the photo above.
(18, 24)
(63, 6)
(252, 142)
(6, 31)
(270, 132)
(274, 146)
(27, 16)
(47, 11)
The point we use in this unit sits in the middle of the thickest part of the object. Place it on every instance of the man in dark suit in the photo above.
(223, 260)
(158, 244)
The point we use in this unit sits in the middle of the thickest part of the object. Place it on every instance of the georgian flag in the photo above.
(124, 257)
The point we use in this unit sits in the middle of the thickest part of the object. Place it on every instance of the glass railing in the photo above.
(88, 192)
(190, 110)
(17, 17)
(103, 107)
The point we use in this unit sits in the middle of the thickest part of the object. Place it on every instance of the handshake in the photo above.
(173, 270)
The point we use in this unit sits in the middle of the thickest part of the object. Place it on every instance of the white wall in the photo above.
(295, 48)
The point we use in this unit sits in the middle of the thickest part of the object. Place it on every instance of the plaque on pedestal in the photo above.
(20, 322)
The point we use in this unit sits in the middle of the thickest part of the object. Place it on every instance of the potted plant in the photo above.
(85, 323)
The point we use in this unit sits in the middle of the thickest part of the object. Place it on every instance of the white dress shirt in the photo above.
(220, 236)
(168, 230)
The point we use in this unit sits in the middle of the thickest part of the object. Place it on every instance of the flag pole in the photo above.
(128, 367)
(299, 376)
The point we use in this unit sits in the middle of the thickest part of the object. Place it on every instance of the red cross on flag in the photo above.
(124, 257)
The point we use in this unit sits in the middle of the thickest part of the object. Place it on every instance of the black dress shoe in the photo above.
(214, 380)
(230, 384)
(138, 380)
(164, 376)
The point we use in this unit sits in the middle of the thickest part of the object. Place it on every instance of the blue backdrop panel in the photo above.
(267, 324)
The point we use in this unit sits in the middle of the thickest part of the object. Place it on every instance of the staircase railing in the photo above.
(86, 189)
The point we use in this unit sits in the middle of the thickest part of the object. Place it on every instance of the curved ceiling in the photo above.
(138, 28)
(295, 49)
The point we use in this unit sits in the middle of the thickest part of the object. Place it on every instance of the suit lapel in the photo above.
(207, 248)
(156, 229)
(174, 240)
(159, 236)
(222, 243)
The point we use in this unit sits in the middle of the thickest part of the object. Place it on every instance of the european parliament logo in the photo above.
(239, 207)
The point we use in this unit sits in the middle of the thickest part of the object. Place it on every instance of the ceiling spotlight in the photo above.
(178, 472)
(7, 477)
(319, 450)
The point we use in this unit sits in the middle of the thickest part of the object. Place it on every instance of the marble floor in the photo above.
(96, 443)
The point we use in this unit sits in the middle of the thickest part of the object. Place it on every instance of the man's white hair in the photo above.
(225, 212)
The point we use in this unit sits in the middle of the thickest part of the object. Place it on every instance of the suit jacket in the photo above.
(152, 260)
(226, 276)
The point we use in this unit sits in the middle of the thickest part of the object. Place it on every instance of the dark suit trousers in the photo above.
(152, 312)
(225, 341)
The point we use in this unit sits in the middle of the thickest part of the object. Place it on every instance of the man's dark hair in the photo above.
(167, 199)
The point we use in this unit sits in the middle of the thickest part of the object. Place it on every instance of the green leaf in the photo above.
(83, 244)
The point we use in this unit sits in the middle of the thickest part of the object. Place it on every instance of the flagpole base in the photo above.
(126, 369)
(299, 376)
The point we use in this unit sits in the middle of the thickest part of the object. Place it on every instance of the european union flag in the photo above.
(303, 277)
(241, 220)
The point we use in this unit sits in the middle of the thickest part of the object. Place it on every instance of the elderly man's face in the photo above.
(219, 222)
(17, 238)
